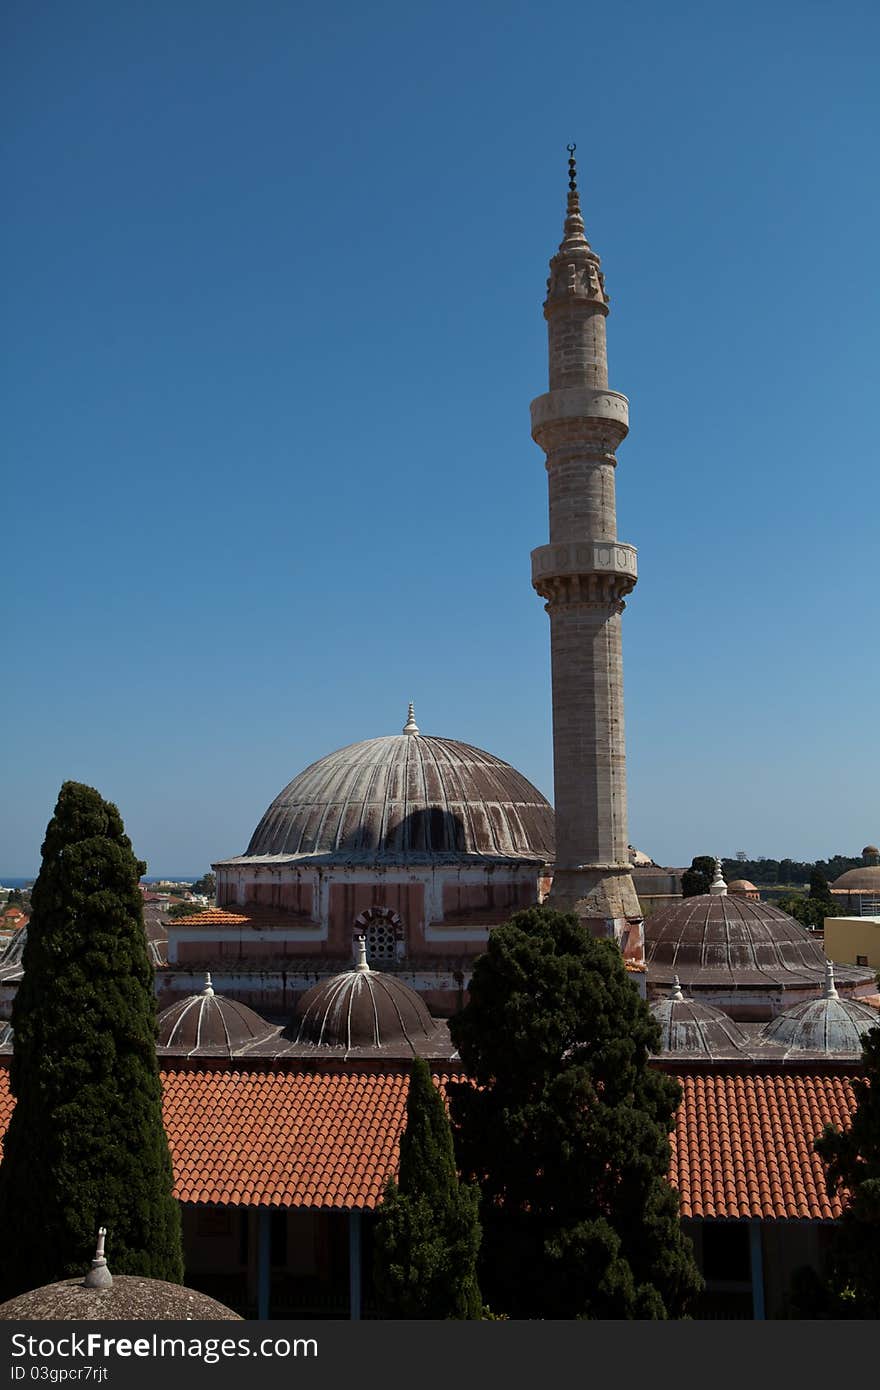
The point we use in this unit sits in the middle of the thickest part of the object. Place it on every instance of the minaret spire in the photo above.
(584, 574)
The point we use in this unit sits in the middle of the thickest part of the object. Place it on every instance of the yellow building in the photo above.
(853, 940)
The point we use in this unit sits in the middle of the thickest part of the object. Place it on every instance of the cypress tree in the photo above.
(567, 1130)
(427, 1228)
(86, 1145)
(853, 1171)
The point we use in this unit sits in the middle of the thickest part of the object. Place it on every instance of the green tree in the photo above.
(820, 890)
(809, 911)
(698, 877)
(14, 898)
(567, 1130)
(86, 1146)
(206, 885)
(185, 910)
(852, 1157)
(427, 1228)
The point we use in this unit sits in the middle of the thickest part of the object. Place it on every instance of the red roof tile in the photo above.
(742, 1145)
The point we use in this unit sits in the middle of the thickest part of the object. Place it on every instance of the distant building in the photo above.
(853, 940)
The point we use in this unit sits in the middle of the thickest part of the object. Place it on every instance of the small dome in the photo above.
(362, 1008)
(128, 1299)
(829, 1024)
(695, 1029)
(409, 797)
(210, 1020)
(871, 852)
(741, 885)
(863, 880)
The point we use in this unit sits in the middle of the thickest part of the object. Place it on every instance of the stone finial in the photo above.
(830, 987)
(209, 988)
(99, 1276)
(574, 234)
(411, 727)
(360, 960)
(677, 994)
(718, 888)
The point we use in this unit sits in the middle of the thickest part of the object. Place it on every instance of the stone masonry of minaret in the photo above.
(584, 574)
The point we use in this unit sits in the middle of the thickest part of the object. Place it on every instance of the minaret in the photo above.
(584, 574)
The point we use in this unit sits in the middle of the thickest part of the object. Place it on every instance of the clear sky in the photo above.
(274, 276)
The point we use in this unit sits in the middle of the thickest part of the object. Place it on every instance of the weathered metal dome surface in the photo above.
(727, 939)
(129, 1299)
(408, 797)
(209, 1020)
(362, 1008)
(694, 1029)
(862, 880)
(829, 1024)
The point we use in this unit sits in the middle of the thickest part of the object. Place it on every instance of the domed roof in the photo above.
(865, 879)
(741, 885)
(407, 796)
(128, 1299)
(362, 1008)
(870, 849)
(696, 1029)
(829, 1024)
(721, 937)
(208, 1020)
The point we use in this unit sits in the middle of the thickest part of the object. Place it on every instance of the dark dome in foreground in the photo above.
(407, 796)
(210, 1020)
(362, 1008)
(130, 1299)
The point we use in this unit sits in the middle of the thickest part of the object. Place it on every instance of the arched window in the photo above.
(382, 931)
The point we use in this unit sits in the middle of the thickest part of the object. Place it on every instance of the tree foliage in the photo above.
(566, 1130)
(809, 911)
(852, 1157)
(86, 1146)
(206, 885)
(177, 910)
(427, 1228)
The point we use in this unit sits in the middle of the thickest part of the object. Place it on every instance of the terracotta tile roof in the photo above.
(251, 915)
(742, 1145)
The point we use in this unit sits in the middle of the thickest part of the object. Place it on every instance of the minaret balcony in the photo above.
(612, 560)
(582, 405)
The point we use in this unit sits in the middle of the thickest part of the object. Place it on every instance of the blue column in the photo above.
(264, 1267)
(354, 1264)
(757, 1264)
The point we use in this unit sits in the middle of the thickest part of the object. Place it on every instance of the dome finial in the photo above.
(99, 1276)
(677, 993)
(411, 727)
(575, 234)
(718, 888)
(360, 946)
(830, 987)
(209, 988)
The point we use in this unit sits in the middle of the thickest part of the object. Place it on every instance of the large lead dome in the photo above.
(407, 796)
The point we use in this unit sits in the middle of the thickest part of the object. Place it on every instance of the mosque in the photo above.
(345, 934)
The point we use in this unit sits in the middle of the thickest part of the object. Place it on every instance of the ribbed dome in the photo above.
(407, 796)
(210, 1020)
(714, 938)
(362, 1008)
(829, 1024)
(696, 1029)
(863, 880)
(129, 1299)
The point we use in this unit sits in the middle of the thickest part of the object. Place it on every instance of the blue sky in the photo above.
(273, 292)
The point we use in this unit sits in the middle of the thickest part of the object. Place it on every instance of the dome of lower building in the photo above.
(749, 957)
(829, 1024)
(695, 1030)
(741, 885)
(407, 796)
(865, 879)
(128, 1299)
(362, 1008)
(209, 1020)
